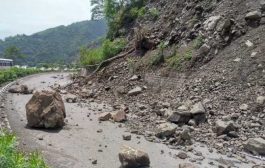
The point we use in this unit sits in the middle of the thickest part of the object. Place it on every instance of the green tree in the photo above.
(13, 53)
(116, 12)
(97, 9)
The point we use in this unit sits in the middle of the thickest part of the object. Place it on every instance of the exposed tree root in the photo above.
(108, 61)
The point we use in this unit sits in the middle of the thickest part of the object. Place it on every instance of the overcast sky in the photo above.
(30, 16)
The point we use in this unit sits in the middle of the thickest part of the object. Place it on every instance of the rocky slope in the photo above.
(215, 97)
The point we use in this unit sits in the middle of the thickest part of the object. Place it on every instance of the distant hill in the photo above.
(56, 45)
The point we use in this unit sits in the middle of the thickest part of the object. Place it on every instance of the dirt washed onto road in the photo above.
(84, 139)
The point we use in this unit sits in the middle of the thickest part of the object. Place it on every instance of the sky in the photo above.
(31, 16)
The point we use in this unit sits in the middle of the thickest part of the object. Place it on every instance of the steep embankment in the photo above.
(56, 45)
(210, 80)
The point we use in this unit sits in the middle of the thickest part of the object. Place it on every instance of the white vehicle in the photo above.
(6, 63)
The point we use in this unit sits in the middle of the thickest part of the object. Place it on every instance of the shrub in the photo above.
(11, 74)
(90, 56)
(137, 12)
(198, 42)
(112, 48)
(154, 13)
(11, 158)
(97, 55)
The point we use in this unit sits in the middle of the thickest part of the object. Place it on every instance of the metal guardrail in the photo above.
(6, 124)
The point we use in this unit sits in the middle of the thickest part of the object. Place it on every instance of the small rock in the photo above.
(253, 54)
(211, 22)
(198, 112)
(135, 91)
(249, 43)
(119, 116)
(99, 131)
(181, 117)
(2, 106)
(183, 108)
(224, 127)
(104, 116)
(134, 78)
(187, 165)
(127, 137)
(130, 157)
(255, 146)
(197, 108)
(261, 100)
(182, 155)
(262, 5)
(94, 162)
(243, 107)
(253, 16)
(237, 60)
(71, 99)
(166, 130)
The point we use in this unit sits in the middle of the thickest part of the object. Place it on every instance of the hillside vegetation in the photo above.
(57, 45)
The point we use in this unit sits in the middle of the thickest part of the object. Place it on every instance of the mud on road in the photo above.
(84, 139)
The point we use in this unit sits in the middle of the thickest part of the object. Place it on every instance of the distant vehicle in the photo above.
(6, 63)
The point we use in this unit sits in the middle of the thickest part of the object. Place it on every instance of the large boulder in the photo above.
(255, 146)
(133, 158)
(45, 110)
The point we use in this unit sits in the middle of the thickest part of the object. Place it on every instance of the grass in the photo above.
(107, 50)
(11, 74)
(154, 13)
(10, 157)
(184, 54)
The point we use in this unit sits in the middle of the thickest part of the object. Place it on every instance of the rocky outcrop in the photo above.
(45, 110)
(133, 158)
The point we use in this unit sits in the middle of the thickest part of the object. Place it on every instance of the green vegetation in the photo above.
(107, 50)
(158, 58)
(13, 53)
(14, 73)
(116, 13)
(138, 12)
(56, 45)
(11, 158)
(154, 13)
(198, 42)
(185, 54)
